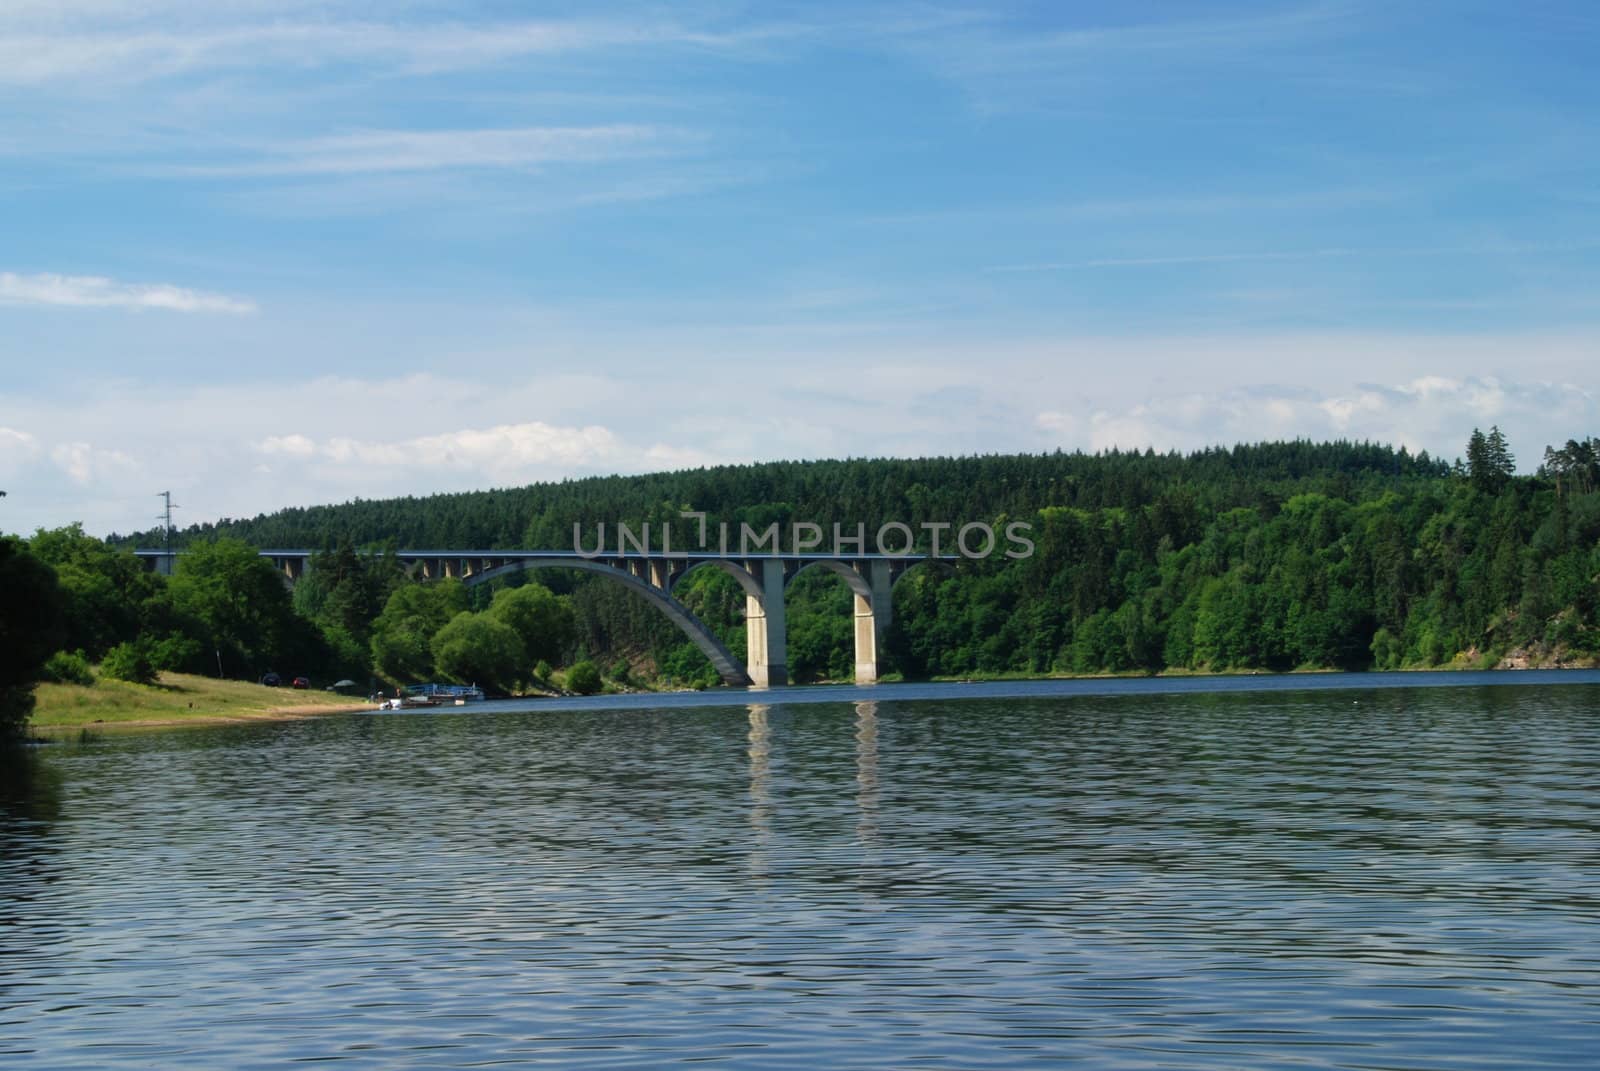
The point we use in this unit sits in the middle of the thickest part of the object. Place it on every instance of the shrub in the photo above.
(1387, 651)
(542, 671)
(181, 654)
(130, 662)
(68, 667)
(621, 672)
(584, 678)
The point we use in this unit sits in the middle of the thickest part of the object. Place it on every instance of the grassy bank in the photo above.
(178, 699)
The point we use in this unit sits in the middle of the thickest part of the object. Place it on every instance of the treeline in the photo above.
(869, 491)
(1272, 556)
(78, 608)
(1369, 560)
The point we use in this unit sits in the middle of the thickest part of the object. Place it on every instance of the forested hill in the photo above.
(871, 491)
(1273, 556)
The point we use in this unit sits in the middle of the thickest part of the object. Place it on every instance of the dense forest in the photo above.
(1272, 556)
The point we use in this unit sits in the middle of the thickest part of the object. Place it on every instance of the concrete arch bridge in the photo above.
(763, 577)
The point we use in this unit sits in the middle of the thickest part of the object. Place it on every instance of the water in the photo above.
(1008, 876)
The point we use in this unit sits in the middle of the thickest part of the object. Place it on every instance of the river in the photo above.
(1370, 872)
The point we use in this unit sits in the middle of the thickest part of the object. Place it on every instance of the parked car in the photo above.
(271, 680)
(302, 682)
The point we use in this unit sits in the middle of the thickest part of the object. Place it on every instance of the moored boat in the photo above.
(434, 695)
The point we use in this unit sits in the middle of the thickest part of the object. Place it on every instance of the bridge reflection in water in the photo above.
(758, 751)
(760, 754)
(764, 578)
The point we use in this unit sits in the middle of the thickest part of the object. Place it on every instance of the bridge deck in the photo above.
(515, 555)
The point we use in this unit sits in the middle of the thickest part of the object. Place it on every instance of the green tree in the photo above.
(343, 591)
(479, 649)
(402, 635)
(584, 678)
(243, 607)
(543, 622)
(32, 616)
(108, 595)
(1490, 464)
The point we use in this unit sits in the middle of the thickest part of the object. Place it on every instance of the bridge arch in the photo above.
(940, 565)
(871, 587)
(765, 628)
(857, 583)
(746, 580)
(701, 636)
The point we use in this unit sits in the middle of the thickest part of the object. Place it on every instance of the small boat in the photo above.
(435, 695)
(444, 694)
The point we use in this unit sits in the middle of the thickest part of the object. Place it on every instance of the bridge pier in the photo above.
(873, 612)
(765, 628)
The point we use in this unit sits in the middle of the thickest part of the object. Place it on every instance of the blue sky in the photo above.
(266, 254)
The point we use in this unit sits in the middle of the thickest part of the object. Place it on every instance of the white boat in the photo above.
(435, 695)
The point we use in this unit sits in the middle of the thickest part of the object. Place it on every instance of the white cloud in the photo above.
(238, 449)
(18, 450)
(84, 463)
(297, 446)
(40, 50)
(503, 449)
(16, 444)
(1433, 413)
(1056, 422)
(92, 291)
(434, 150)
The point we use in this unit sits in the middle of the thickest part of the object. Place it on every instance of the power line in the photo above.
(165, 517)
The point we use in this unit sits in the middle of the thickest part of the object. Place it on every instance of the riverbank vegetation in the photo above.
(1275, 556)
(173, 699)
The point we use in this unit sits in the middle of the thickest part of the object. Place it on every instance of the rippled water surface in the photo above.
(1394, 878)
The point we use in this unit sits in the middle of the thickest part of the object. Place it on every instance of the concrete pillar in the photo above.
(873, 613)
(765, 632)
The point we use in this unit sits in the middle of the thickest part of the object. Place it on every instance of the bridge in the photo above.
(764, 577)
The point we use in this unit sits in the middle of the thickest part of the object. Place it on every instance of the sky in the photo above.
(265, 254)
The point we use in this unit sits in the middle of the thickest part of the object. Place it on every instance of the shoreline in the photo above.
(176, 700)
(51, 730)
(242, 702)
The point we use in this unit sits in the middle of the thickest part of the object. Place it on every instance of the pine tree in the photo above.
(1489, 461)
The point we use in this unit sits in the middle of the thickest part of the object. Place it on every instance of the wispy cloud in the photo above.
(40, 50)
(378, 151)
(1295, 203)
(16, 448)
(140, 55)
(1005, 66)
(1152, 262)
(1497, 249)
(93, 291)
(84, 463)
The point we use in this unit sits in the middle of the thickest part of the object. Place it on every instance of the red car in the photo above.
(301, 682)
